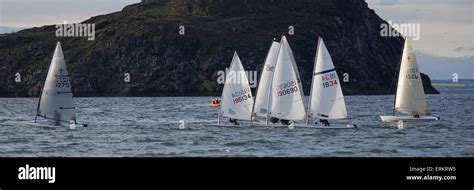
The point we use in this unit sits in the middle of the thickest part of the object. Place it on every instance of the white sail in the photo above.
(237, 100)
(262, 99)
(56, 100)
(327, 100)
(410, 94)
(287, 93)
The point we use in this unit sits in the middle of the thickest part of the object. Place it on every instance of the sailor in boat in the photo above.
(215, 102)
(285, 122)
(323, 121)
(274, 120)
(233, 121)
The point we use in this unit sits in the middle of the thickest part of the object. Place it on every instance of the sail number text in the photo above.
(287, 88)
(412, 73)
(241, 95)
(329, 79)
(62, 82)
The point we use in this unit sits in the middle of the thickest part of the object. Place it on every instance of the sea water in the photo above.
(150, 127)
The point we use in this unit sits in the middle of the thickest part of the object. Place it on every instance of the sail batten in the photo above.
(324, 72)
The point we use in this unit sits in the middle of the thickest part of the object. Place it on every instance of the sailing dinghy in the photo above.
(326, 100)
(263, 97)
(410, 98)
(237, 99)
(56, 104)
(279, 95)
(286, 99)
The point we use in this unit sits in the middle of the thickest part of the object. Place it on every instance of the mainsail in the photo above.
(237, 100)
(326, 99)
(287, 93)
(262, 99)
(410, 94)
(56, 100)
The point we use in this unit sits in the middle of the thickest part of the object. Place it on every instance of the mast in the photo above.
(270, 91)
(291, 106)
(398, 71)
(222, 98)
(41, 91)
(271, 81)
(220, 107)
(312, 80)
(265, 82)
(38, 107)
(260, 79)
(268, 101)
(271, 85)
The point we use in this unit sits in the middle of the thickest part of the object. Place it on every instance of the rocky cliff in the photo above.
(143, 40)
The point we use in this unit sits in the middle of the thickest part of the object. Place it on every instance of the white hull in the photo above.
(33, 124)
(263, 125)
(246, 125)
(391, 118)
(36, 124)
(332, 126)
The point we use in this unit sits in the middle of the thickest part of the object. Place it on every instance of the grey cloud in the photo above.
(459, 49)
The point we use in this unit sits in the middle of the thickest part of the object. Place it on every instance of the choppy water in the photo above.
(146, 127)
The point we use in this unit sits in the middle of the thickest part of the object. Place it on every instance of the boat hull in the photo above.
(245, 125)
(332, 126)
(391, 118)
(49, 125)
(214, 105)
(263, 125)
(33, 124)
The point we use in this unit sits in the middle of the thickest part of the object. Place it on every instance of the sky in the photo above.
(32, 13)
(446, 26)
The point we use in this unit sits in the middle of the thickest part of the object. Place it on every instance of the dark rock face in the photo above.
(143, 40)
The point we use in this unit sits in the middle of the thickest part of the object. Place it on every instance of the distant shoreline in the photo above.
(447, 84)
(178, 96)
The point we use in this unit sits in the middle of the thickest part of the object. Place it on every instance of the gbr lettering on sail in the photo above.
(241, 95)
(412, 73)
(287, 88)
(329, 80)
